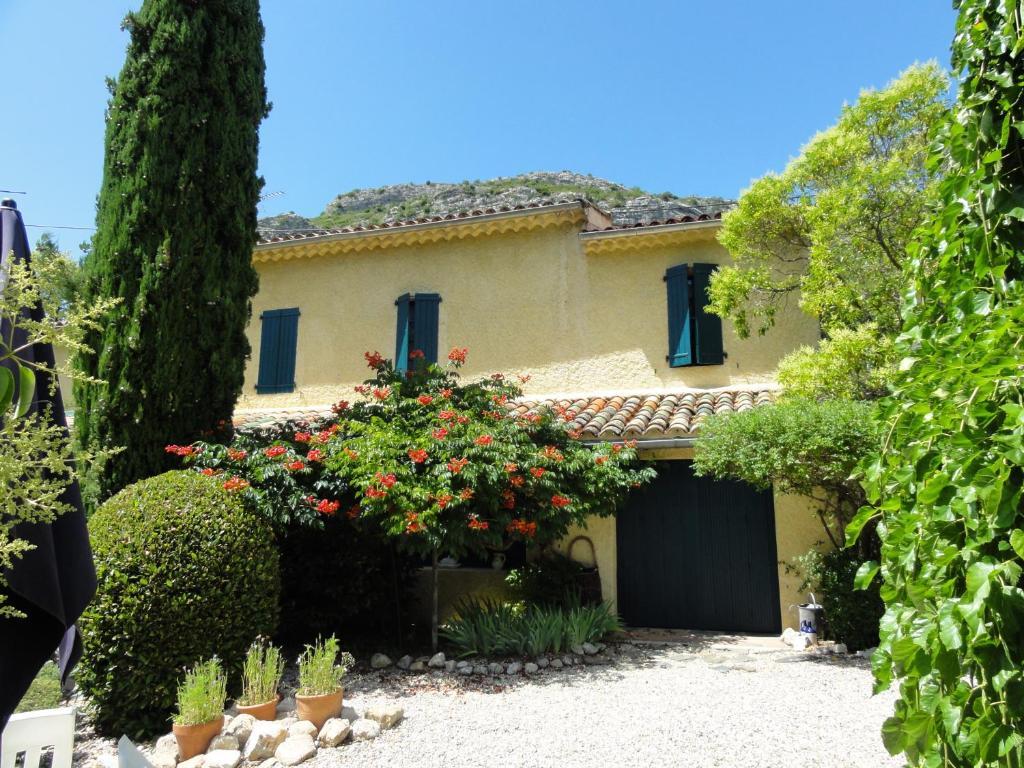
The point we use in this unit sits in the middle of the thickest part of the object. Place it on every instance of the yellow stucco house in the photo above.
(607, 320)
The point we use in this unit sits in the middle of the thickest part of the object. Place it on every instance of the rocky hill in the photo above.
(399, 202)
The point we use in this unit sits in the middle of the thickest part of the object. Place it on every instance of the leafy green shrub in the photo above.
(201, 695)
(947, 483)
(548, 580)
(261, 674)
(320, 670)
(851, 614)
(489, 627)
(185, 573)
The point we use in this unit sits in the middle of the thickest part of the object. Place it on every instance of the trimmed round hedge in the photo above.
(185, 573)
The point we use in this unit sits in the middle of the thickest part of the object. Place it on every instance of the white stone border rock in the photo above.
(588, 654)
(285, 741)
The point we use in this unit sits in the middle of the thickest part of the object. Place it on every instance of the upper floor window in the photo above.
(694, 334)
(278, 336)
(417, 328)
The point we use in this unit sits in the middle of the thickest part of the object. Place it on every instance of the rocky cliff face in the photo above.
(398, 202)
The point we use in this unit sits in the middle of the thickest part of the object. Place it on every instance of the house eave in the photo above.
(635, 238)
(414, 233)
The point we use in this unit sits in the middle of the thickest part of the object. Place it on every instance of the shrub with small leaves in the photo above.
(185, 573)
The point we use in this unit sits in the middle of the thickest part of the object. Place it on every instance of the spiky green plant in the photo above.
(202, 693)
(261, 674)
(489, 627)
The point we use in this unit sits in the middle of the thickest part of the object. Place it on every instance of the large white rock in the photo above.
(840, 648)
(514, 668)
(264, 740)
(295, 750)
(405, 662)
(380, 661)
(386, 715)
(589, 649)
(193, 762)
(364, 730)
(334, 732)
(223, 741)
(240, 727)
(801, 643)
(270, 762)
(302, 728)
(556, 663)
(530, 668)
(222, 758)
(418, 666)
(789, 635)
(165, 752)
(436, 661)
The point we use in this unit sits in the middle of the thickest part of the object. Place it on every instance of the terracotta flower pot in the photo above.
(319, 709)
(194, 739)
(265, 711)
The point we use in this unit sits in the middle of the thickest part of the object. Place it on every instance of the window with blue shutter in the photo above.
(694, 334)
(677, 281)
(707, 336)
(278, 337)
(417, 327)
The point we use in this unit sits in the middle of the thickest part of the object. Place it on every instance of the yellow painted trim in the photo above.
(632, 240)
(423, 233)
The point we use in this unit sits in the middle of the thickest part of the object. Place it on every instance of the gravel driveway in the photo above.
(669, 707)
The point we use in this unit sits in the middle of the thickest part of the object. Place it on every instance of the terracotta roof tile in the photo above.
(648, 416)
(688, 219)
(272, 236)
(618, 417)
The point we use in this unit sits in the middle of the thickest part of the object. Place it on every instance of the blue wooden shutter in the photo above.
(402, 333)
(677, 282)
(278, 341)
(708, 331)
(425, 306)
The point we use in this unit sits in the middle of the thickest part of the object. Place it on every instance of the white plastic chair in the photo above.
(31, 732)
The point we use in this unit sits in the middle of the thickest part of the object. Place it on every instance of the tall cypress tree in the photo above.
(176, 225)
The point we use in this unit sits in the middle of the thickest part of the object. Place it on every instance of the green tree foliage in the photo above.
(832, 228)
(176, 225)
(947, 484)
(65, 279)
(36, 463)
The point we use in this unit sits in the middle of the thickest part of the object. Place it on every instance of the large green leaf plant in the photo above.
(946, 486)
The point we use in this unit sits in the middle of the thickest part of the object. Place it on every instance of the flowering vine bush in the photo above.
(436, 463)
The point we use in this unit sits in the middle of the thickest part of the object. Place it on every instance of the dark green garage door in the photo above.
(695, 553)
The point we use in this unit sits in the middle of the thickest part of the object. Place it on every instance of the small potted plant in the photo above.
(200, 717)
(261, 675)
(320, 674)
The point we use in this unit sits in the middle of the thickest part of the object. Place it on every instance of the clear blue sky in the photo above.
(695, 98)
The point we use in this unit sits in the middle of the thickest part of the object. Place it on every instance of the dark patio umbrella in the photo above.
(54, 582)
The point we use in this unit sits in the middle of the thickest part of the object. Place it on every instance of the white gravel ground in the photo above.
(675, 707)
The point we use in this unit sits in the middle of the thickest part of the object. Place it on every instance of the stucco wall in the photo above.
(523, 302)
